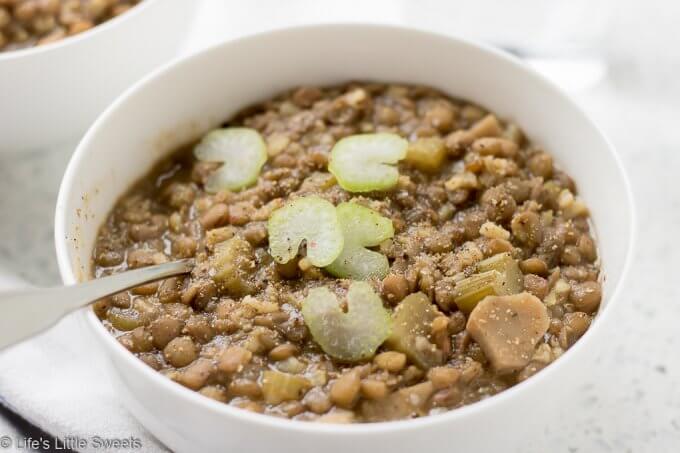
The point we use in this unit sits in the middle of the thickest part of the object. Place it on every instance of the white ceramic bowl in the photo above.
(186, 98)
(51, 94)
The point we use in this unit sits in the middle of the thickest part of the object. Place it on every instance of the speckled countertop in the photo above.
(633, 401)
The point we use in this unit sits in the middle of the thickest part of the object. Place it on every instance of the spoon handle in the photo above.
(27, 312)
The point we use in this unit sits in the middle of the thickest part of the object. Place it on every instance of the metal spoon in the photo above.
(27, 312)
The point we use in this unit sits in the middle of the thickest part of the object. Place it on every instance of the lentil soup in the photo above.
(28, 23)
(365, 252)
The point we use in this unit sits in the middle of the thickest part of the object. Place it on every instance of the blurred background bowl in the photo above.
(50, 94)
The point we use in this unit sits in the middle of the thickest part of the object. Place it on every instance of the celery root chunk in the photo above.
(362, 227)
(366, 162)
(242, 152)
(508, 328)
(312, 219)
(351, 336)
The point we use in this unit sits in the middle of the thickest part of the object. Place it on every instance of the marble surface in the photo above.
(632, 401)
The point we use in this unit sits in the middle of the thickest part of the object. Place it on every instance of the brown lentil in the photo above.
(391, 361)
(180, 352)
(283, 351)
(586, 296)
(538, 286)
(345, 390)
(534, 265)
(394, 288)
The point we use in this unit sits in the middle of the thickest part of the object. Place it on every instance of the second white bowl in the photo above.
(52, 93)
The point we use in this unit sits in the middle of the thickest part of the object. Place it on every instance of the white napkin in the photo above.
(58, 382)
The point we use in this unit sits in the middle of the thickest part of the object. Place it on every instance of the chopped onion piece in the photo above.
(362, 227)
(365, 162)
(241, 150)
(312, 219)
(351, 336)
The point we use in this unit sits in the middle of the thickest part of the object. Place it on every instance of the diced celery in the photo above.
(242, 151)
(362, 227)
(426, 154)
(498, 275)
(312, 219)
(412, 320)
(509, 267)
(278, 387)
(351, 336)
(232, 265)
(469, 291)
(364, 163)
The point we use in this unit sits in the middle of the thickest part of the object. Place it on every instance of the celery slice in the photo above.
(365, 162)
(351, 336)
(359, 263)
(242, 151)
(362, 227)
(412, 319)
(312, 219)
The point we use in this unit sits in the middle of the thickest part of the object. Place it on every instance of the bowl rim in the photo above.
(76, 39)
(224, 410)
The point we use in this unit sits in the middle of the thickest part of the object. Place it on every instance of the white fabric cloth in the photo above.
(58, 382)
